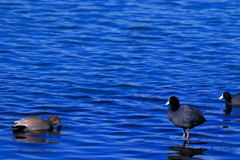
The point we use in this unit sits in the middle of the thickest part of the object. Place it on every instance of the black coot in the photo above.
(184, 116)
(231, 99)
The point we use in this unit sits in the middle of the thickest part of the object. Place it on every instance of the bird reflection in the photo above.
(31, 136)
(185, 152)
(229, 108)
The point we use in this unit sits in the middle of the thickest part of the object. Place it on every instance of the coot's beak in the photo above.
(168, 102)
(221, 97)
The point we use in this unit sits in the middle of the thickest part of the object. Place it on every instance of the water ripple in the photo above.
(107, 69)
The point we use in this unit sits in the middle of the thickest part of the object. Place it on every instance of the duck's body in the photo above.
(185, 117)
(36, 123)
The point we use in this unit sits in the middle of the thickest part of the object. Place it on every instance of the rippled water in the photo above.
(107, 68)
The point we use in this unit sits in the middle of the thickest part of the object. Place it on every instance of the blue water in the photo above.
(107, 68)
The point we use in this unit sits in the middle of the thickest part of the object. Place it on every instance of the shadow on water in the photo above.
(229, 108)
(185, 151)
(31, 136)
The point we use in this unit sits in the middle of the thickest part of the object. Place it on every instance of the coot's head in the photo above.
(173, 101)
(227, 96)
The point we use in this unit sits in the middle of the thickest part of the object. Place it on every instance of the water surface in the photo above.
(107, 68)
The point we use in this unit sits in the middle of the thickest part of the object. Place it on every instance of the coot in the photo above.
(231, 100)
(184, 116)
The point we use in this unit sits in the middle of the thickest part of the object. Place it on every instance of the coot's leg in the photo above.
(188, 134)
(183, 136)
